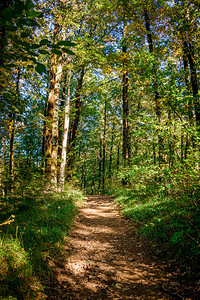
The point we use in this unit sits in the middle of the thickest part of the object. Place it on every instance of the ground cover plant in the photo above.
(166, 211)
(31, 233)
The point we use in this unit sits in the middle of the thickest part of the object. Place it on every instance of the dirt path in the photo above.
(105, 260)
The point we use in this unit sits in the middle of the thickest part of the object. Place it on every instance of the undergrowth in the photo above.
(33, 225)
(164, 204)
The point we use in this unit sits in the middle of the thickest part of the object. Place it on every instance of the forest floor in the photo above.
(104, 259)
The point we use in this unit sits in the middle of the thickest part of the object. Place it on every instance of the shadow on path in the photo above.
(105, 260)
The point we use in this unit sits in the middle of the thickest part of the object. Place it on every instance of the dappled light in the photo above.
(99, 98)
(105, 260)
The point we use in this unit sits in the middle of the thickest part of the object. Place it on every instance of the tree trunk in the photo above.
(93, 178)
(118, 154)
(50, 118)
(2, 167)
(44, 138)
(171, 154)
(75, 122)
(104, 148)
(54, 154)
(126, 127)
(64, 139)
(100, 161)
(194, 82)
(189, 139)
(85, 174)
(189, 52)
(61, 118)
(155, 87)
(11, 136)
(111, 153)
(154, 153)
(50, 107)
(182, 146)
(11, 152)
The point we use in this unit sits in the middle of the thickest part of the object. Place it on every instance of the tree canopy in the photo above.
(104, 94)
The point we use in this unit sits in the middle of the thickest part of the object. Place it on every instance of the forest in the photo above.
(97, 97)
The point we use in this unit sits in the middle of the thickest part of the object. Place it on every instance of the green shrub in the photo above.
(41, 221)
(164, 203)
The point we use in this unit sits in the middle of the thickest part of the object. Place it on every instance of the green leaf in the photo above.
(30, 66)
(45, 42)
(34, 14)
(43, 52)
(35, 46)
(55, 46)
(29, 4)
(9, 96)
(27, 22)
(12, 28)
(32, 53)
(65, 50)
(55, 51)
(7, 13)
(31, 22)
(66, 43)
(19, 7)
(40, 68)
(25, 44)
(25, 34)
(11, 65)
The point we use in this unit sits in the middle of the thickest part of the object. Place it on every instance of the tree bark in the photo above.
(44, 138)
(75, 122)
(93, 188)
(111, 154)
(126, 127)
(11, 137)
(50, 118)
(62, 118)
(118, 154)
(54, 154)
(155, 87)
(171, 142)
(189, 139)
(50, 107)
(100, 162)
(64, 139)
(194, 82)
(11, 152)
(104, 148)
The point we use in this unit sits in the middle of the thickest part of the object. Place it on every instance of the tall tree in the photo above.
(50, 107)
(54, 154)
(126, 127)
(158, 104)
(65, 137)
(76, 118)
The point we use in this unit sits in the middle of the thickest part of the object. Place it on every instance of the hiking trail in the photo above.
(104, 259)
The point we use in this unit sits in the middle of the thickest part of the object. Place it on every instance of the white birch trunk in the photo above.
(54, 154)
(64, 140)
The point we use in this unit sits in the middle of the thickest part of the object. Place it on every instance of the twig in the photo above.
(10, 220)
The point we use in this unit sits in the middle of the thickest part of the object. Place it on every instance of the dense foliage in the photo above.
(104, 94)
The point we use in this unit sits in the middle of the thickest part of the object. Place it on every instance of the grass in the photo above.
(26, 245)
(166, 212)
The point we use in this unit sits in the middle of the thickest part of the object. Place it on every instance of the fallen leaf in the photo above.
(118, 286)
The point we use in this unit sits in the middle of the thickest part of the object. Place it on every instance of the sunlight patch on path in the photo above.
(105, 260)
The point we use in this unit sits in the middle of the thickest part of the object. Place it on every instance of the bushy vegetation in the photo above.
(32, 229)
(164, 204)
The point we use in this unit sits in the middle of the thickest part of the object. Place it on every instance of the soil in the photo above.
(104, 259)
